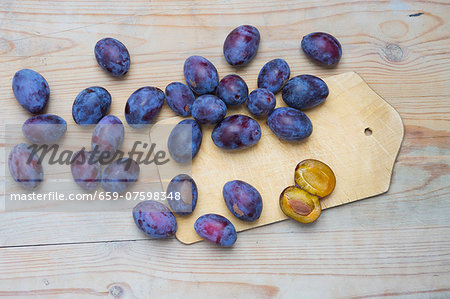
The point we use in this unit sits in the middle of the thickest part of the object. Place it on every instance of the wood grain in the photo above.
(394, 245)
(275, 261)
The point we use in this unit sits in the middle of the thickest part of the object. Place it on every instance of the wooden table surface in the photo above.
(393, 245)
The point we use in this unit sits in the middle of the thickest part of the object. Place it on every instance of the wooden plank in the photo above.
(57, 39)
(394, 245)
(278, 261)
(418, 197)
(362, 164)
(62, 51)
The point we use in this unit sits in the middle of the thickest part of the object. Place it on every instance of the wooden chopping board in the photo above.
(355, 132)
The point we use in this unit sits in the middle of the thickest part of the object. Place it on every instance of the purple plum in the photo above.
(154, 219)
(200, 74)
(241, 45)
(322, 47)
(179, 98)
(120, 175)
(112, 56)
(182, 194)
(25, 167)
(233, 90)
(91, 105)
(216, 229)
(261, 102)
(31, 90)
(86, 170)
(208, 109)
(185, 140)
(143, 106)
(273, 75)
(44, 128)
(305, 92)
(243, 200)
(236, 132)
(290, 124)
(107, 137)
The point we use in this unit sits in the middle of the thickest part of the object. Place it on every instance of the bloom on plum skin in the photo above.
(233, 90)
(31, 90)
(290, 124)
(305, 92)
(241, 45)
(273, 75)
(261, 102)
(112, 56)
(322, 47)
(200, 74)
(236, 132)
(154, 219)
(91, 105)
(143, 106)
(25, 167)
(185, 140)
(208, 109)
(44, 128)
(216, 229)
(179, 98)
(243, 200)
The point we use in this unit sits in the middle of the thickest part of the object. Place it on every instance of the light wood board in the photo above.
(362, 162)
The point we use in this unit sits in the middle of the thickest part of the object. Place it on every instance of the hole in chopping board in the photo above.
(368, 131)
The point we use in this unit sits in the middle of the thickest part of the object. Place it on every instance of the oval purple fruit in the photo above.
(243, 200)
(241, 45)
(179, 98)
(91, 105)
(154, 219)
(232, 90)
(200, 74)
(107, 137)
(208, 109)
(112, 56)
(305, 92)
(143, 106)
(216, 229)
(25, 167)
(261, 102)
(31, 90)
(290, 124)
(322, 47)
(185, 140)
(44, 128)
(273, 75)
(86, 170)
(182, 194)
(236, 132)
(120, 175)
